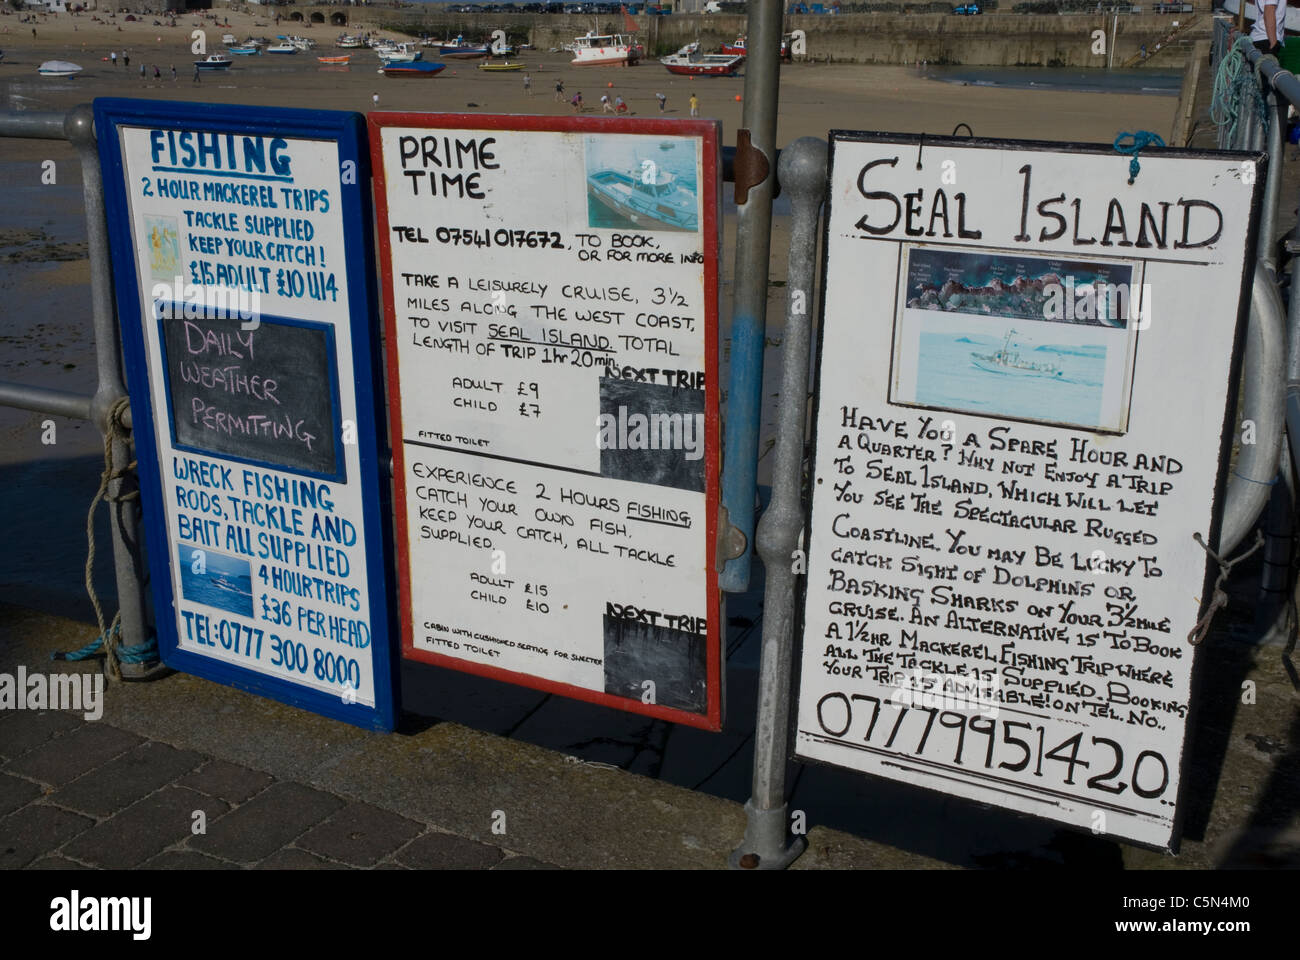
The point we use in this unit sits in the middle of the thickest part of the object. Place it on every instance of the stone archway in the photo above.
(317, 17)
(339, 19)
(296, 16)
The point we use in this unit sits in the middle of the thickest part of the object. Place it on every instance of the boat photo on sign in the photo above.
(1029, 338)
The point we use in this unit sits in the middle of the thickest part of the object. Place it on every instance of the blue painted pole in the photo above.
(749, 305)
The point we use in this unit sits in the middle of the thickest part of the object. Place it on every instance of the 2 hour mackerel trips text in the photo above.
(1046, 214)
(227, 155)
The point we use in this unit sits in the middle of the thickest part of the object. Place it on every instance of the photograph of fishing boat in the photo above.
(216, 580)
(642, 183)
(978, 332)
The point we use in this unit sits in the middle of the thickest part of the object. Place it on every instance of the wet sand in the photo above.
(814, 98)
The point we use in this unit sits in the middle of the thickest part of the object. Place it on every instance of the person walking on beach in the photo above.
(113, 56)
(374, 98)
(605, 105)
(577, 102)
(620, 106)
(559, 91)
(662, 101)
(196, 79)
(142, 71)
(528, 84)
(157, 74)
(126, 61)
(695, 105)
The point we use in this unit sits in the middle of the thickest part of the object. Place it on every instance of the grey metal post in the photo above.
(1263, 402)
(755, 156)
(767, 843)
(1266, 250)
(124, 524)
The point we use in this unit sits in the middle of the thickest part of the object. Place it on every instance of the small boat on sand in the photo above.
(214, 61)
(344, 59)
(414, 68)
(58, 68)
(399, 53)
(460, 49)
(594, 50)
(282, 48)
(502, 67)
(690, 62)
(245, 51)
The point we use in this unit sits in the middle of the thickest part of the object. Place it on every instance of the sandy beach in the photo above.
(814, 97)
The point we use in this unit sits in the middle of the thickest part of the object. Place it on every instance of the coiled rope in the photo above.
(115, 653)
(1236, 91)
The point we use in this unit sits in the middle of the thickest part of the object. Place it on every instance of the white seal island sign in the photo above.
(1013, 455)
(551, 294)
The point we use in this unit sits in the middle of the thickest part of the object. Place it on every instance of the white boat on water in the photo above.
(596, 50)
(302, 43)
(1007, 360)
(658, 203)
(282, 48)
(349, 42)
(58, 68)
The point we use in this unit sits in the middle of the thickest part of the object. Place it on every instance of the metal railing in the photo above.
(77, 127)
(1266, 473)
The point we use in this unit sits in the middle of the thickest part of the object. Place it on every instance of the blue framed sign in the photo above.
(241, 241)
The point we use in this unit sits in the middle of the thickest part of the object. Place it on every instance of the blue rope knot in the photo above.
(146, 652)
(1141, 140)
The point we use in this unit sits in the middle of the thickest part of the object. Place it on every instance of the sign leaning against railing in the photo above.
(550, 291)
(1024, 416)
(241, 245)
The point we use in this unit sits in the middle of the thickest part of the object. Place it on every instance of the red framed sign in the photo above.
(551, 308)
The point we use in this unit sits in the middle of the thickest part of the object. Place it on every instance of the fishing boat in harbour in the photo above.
(349, 42)
(399, 53)
(659, 203)
(244, 51)
(460, 49)
(58, 68)
(413, 68)
(502, 67)
(214, 61)
(1007, 360)
(690, 62)
(595, 50)
(343, 59)
(738, 46)
(282, 48)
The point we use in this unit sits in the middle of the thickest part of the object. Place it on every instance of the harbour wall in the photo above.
(992, 40)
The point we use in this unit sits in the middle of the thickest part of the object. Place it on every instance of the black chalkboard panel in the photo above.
(267, 395)
(674, 660)
(652, 433)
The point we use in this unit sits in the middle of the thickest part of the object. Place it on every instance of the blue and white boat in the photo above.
(658, 204)
(413, 68)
